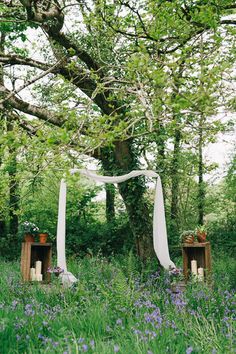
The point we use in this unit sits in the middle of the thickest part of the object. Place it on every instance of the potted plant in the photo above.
(43, 237)
(187, 236)
(201, 233)
(29, 231)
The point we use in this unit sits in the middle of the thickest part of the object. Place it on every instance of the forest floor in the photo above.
(116, 307)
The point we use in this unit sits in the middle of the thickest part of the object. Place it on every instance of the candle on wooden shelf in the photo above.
(194, 267)
(200, 272)
(38, 277)
(38, 267)
(32, 273)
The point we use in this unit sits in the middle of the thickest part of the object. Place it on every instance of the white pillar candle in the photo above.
(194, 267)
(38, 267)
(32, 273)
(200, 272)
(38, 277)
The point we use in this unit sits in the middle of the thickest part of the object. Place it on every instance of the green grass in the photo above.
(115, 307)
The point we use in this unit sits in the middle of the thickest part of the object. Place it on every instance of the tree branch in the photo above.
(33, 110)
(228, 22)
(30, 82)
(7, 59)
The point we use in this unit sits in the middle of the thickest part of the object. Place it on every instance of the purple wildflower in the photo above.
(14, 304)
(189, 350)
(29, 310)
(85, 347)
(116, 348)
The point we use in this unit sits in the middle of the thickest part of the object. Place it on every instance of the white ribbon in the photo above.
(159, 223)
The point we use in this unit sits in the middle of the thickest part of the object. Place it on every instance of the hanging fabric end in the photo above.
(68, 279)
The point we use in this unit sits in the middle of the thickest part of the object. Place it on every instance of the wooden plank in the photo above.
(208, 262)
(23, 260)
(185, 263)
(37, 244)
(28, 255)
(195, 244)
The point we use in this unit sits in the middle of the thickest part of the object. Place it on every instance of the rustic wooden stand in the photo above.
(32, 252)
(201, 252)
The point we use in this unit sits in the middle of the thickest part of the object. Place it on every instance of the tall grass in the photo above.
(116, 307)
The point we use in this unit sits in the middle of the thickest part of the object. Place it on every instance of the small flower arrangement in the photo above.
(175, 272)
(177, 280)
(28, 227)
(56, 270)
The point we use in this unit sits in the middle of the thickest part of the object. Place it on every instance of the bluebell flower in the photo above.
(116, 348)
(189, 350)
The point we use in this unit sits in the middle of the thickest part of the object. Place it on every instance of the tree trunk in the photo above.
(132, 192)
(2, 217)
(13, 190)
(3, 224)
(175, 183)
(201, 187)
(161, 159)
(110, 202)
(110, 189)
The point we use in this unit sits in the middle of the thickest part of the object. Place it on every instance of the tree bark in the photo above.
(13, 190)
(201, 186)
(110, 202)
(110, 189)
(161, 159)
(175, 182)
(2, 217)
(132, 192)
(2, 220)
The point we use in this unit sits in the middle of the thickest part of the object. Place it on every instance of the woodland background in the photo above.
(121, 85)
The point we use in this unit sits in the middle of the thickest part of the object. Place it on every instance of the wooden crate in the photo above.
(32, 252)
(201, 252)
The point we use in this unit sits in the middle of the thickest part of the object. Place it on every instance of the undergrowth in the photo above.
(118, 306)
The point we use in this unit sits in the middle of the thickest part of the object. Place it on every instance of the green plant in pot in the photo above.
(187, 236)
(201, 232)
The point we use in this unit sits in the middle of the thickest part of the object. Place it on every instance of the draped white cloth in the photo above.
(159, 223)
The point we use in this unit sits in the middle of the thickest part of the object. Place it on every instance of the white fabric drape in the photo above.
(159, 224)
(67, 277)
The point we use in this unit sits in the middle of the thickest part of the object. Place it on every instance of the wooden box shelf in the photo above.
(32, 252)
(201, 252)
